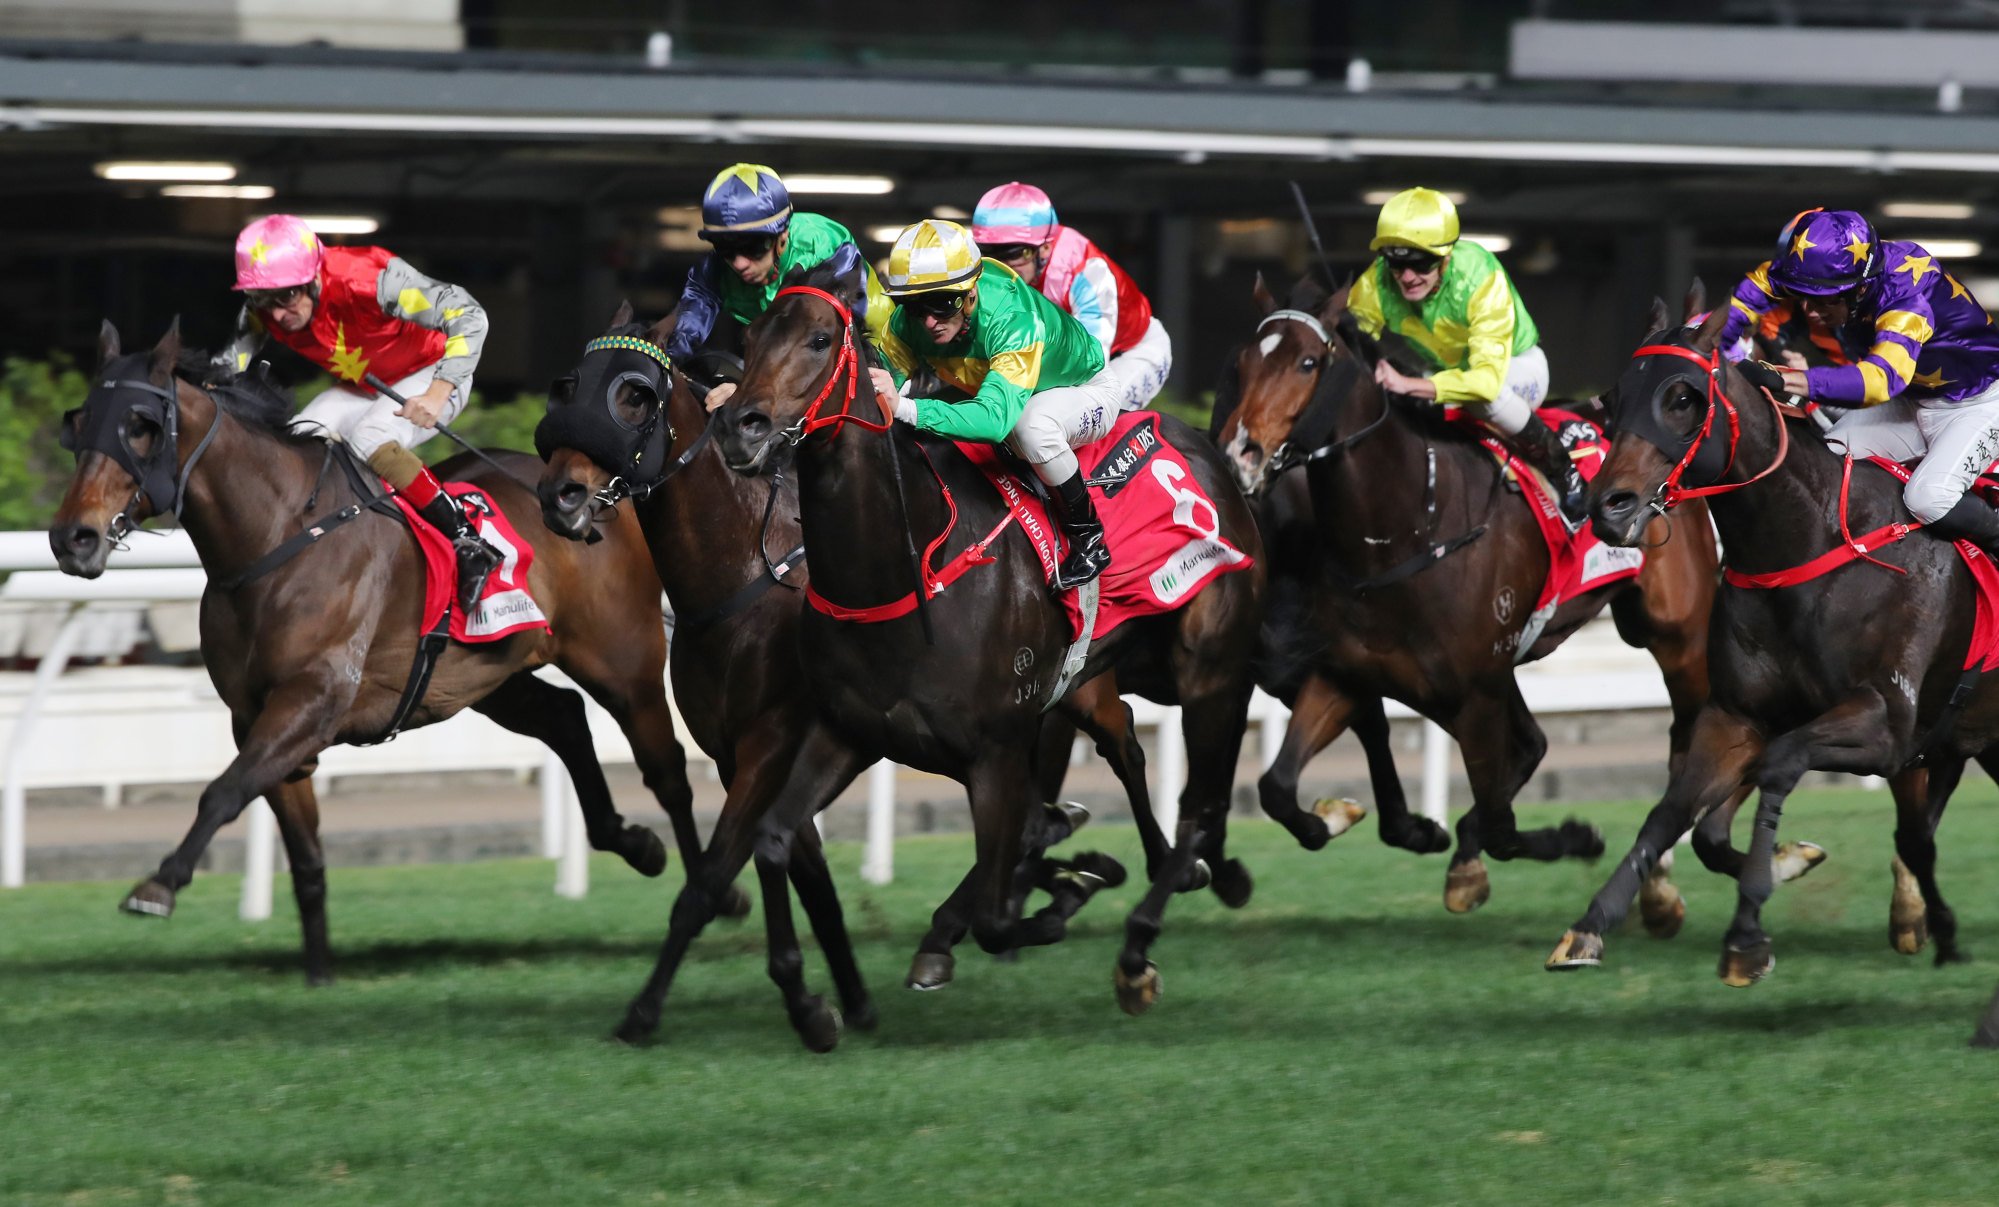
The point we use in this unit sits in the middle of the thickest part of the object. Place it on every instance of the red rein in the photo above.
(847, 365)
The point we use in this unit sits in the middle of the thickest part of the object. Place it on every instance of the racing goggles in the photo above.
(273, 299)
(748, 247)
(1411, 259)
(937, 304)
(1012, 253)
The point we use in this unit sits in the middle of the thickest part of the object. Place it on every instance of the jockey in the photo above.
(1015, 224)
(355, 311)
(1455, 304)
(1925, 359)
(746, 215)
(1036, 376)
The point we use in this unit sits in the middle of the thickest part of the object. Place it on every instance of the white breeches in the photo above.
(1956, 441)
(1056, 421)
(1141, 369)
(1525, 388)
(367, 424)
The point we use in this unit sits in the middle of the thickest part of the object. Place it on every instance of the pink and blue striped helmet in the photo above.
(1824, 253)
(1013, 213)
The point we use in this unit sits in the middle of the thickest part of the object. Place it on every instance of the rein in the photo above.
(1670, 491)
(1287, 457)
(847, 365)
(1850, 549)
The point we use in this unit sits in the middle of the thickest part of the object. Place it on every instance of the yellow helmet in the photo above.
(1420, 218)
(932, 256)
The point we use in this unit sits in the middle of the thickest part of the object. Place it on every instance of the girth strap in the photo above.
(428, 650)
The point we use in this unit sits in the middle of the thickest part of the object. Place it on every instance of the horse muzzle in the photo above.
(1248, 462)
(1619, 516)
(79, 549)
(745, 435)
(566, 507)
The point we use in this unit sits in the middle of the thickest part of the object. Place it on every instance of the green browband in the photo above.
(630, 343)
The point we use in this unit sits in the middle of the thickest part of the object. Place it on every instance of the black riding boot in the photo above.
(1088, 555)
(476, 559)
(1971, 519)
(1543, 446)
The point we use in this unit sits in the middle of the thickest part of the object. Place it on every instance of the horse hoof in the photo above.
(1088, 882)
(1580, 840)
(650, 857)
(1663, 909)
(1742, 967)
(1198, 877)
(1136, 995)
(1578, 949)
(1071, 812)
(819, 1026)
(862, 1015)
(1340, 814)
(1909, 940)
(1102, 866)
(1466, 887)
(1794, 859)
(930, 970)
(735, 903)
(1233, 884)
(150, 899)
(637, 1028)
(1908, 917)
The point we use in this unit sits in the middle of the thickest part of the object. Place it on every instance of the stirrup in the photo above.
(474, 570)
(1094, 561)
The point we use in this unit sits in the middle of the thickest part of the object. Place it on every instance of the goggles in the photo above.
(750, 247)
(935, 304)
(272, 299)
(1411, 259)
(1012, 253)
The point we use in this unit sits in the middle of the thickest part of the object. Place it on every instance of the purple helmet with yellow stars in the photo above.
(1823, 253)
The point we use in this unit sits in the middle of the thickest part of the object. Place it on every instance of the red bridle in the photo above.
(1670, 491)
(846, 364)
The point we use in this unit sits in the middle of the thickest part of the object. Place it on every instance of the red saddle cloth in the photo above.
(1163, 531)
(1984, 652)
(504, 607)
(1578, 562)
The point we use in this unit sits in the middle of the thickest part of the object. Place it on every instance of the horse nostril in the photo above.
(754, 425)
(80, 540)
(1617, 504)
(570, 496)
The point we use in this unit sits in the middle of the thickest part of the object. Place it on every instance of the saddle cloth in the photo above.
(1578, 562)
(1163, 531)
(1983, 654)
(504, 606)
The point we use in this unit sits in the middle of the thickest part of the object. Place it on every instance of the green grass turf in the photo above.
(1341, 1040)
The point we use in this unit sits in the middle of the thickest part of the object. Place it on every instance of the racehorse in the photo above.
(316, 649)
(627, 424)
(1415, 560)
(1817, 664)
(957, 684)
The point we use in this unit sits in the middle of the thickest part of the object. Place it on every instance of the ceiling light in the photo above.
(1949, 211)
(884, 234)
(1491, 243)
(950, 213)
(143, 169)
(232, 192)
(340, 224)
(1952, 249)
(1381, 196)
(857, 185)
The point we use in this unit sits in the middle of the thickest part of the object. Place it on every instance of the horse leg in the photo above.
(778, 784)
(1723, 749)
(1398, 826)
(817, 1024)
(1319, 714)
(297, 721)
(1853, 735)
(1502, 745)
(1102, 714)
(1917, 910)
(1214, 711)
(1987, 1034)
(297, 810)
(821, 899)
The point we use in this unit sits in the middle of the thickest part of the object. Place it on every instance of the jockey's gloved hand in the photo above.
(1762, 376)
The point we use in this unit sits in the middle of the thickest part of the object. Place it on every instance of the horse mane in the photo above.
(253, 398)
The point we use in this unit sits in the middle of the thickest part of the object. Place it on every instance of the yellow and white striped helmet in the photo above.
(932, 256)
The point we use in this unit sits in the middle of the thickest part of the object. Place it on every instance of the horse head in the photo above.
(1673, 415)
(128, 460)
(804, 370)
(606, 435)
(1296, 358)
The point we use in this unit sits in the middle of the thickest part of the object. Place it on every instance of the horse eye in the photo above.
(1308, 364)
(821, 341)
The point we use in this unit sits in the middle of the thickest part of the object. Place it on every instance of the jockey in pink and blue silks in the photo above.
(1925, 359)
(1015, 224)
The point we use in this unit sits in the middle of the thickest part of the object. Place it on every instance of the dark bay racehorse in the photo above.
(318, 650)
(1852, 670)
(958, 685)
(729, 550)
(1418, 571)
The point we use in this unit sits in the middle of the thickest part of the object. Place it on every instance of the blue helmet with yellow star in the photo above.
(745, 199)
(1824, 253)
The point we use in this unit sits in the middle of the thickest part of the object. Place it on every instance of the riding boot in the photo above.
(1543, 446)
(1970, 519)
(1088, 555)
(476, 559)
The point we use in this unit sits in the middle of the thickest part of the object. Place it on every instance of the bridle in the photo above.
(1711, 366)
(1294, 453)
(96, 427)
(572, 427)
(846, 368)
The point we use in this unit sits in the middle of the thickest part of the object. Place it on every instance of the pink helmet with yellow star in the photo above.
(277, 251)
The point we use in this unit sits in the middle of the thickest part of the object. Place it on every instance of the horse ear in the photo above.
(1694, 302)
(1710, 332)
(166, 353)
(1336, 305)
(107, 343)
(1656, 319)
(1261, 293)
(624, 314)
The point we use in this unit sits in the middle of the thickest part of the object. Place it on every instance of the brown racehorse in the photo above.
(957, 686)
(318, 650)
(1418, 585)
(729, 550)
